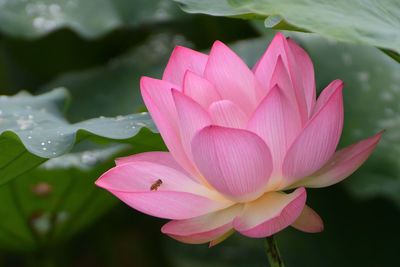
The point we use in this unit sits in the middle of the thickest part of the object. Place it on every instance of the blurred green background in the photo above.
(53, 215)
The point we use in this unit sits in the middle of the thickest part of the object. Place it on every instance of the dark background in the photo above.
(102, 72)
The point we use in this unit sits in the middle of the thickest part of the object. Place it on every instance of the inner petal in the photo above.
(201, 90)
(232, 78)
(228, 114)
(237, 163)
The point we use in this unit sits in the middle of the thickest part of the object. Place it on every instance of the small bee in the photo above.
(156, 185)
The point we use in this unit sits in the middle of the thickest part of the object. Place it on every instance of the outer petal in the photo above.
(309, 221)
(270, 214)
(159, 157)
(306, 70)
(158, 99)
(342, 164)
(237, 163)
(228, 114)
(317, 142)
(203, 229)
(158, 93)
(201, 90)
(232, 78)
(276, 122)
(326, 94)
(265, 67)
(177, 196)
(183, 59)
(192, 117)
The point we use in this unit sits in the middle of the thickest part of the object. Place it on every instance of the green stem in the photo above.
(274, 257)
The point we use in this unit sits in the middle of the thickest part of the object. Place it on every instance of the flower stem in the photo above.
(274, 257)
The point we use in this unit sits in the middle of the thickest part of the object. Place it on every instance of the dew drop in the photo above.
(24, 123)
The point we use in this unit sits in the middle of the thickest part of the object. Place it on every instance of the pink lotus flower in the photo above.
(239, 139)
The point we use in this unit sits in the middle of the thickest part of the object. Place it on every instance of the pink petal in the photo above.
(343, 163)
(271, 213)
(265, 68)
(281, 78)
(201, 90)
(192, 117)
(317, 142)
(204, 228)
(326, 94)
(228, 114)
(237, 163)
(176, 197)
(181, 60)
(158, 99)
(158, 93)
(309, 221)
(162, 158)
(232, 78)
(306, 70)
(276, 122)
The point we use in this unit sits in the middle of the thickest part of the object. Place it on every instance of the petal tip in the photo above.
(188, 73)
(175, 92)
(376, 138)
(99, 182)
(145, 79)
(340, 83)
(219, 47)
(178, 49)
(280, 35)
(309, 221)
(164, 229)
(218, 43)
